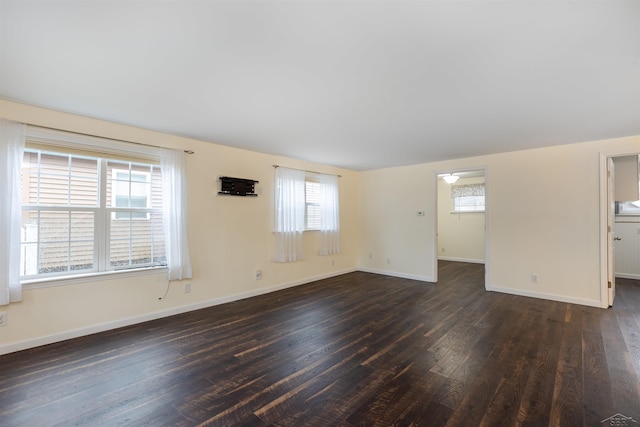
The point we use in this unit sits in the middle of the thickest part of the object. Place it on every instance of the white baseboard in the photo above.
(540, 295)
(628, 276)
(397, 274)
(75, 333)
(471, 260)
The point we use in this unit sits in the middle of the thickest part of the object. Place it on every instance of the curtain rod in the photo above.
(305, 170)
(102, 137)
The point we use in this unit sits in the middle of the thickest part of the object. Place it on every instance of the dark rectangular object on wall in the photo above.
(237, 186)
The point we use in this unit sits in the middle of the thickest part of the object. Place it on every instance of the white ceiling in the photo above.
(356, 84)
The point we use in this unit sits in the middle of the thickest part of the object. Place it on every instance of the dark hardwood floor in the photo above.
(356, 350)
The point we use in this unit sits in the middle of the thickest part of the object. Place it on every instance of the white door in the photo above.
(611, 211)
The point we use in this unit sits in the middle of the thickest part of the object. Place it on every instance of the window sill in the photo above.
(466, 212)
(93, 277)
(627, 219)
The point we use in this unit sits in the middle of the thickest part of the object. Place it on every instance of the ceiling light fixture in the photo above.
(450, 179)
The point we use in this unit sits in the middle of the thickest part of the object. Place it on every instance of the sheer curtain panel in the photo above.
(174, 215)
(289, 214)
(329, 215)
(12, 136)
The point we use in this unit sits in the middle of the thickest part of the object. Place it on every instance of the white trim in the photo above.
(397, 274)
(604, 211)
(486, 227)
(627, 276)
(53, 281)
(101, 327)
(604, 289)
(627, 219)
(101, 225)
(465, 212)
(471, 260)
(541, 295)
(434, 241)
(97, 144)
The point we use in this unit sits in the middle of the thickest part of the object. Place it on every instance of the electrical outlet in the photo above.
(443, 249)
(534, 278)
(258, 274)
(333, 262)
(3, 319)
(370, 255)
(187, 288)
(388, 261)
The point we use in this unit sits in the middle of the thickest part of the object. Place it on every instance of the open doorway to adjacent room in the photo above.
(620, 201)
(461, 217)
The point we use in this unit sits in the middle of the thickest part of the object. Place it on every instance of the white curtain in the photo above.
(329, 215)
(174, 214)
(289, 214)
(12, 136)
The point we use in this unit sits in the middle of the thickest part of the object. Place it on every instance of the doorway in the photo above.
(461, 217)
(620, 221)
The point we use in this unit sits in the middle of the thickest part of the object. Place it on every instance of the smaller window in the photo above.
(468, 204)
(468, 197)
(628, 208)
(312, 204)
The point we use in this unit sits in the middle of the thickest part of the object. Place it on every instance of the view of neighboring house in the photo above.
(61, 195)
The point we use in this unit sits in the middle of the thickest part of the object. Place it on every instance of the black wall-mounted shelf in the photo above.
(230, 186)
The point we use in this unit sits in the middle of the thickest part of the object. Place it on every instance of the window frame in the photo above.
(114, 195)
(468, 197)
(628, 208)
(457, 206)
(315, 181)
(102, 217)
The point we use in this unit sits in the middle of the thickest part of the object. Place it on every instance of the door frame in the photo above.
(434, 265)
(605, 243)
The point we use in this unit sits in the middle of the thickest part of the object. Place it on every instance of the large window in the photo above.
(83, 213)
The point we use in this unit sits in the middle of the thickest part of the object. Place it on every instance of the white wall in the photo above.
(393, 238)
(230, 237)
(626, 178)
(460, 235)
(543, 218)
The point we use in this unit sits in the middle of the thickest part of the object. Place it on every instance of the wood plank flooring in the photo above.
(356, 350)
